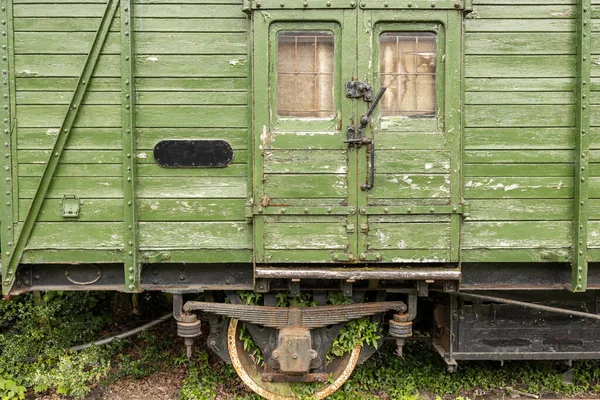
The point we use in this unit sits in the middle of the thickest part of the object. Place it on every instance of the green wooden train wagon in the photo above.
(362, 157)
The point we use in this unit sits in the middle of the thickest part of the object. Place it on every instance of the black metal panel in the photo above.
(167, 277)
(481, 330)
(523, 276)
(193, 153)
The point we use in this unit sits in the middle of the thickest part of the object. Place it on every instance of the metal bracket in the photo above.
(14, 257)
(69, 206)
(579, 272)
(355, 89)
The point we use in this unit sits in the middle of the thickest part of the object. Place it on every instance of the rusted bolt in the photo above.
(362, 256)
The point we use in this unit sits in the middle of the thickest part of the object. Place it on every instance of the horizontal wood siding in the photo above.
(192, 63)
(519, 119)
(191, 81)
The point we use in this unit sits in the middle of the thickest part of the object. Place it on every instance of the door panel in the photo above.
(311, 196)
(408, 214)
(303, 195)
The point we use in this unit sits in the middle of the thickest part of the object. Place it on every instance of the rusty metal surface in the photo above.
(340, 370)
(421, 273)
(281, 317)
(528, 305)
(307, 378)
(294, 353)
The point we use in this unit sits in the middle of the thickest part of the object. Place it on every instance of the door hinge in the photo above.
(355, 89)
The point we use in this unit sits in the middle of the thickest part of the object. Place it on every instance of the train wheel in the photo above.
(250, 373)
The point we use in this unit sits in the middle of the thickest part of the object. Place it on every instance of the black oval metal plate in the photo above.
(193, 153)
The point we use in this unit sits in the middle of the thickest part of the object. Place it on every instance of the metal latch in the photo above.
(69, 206)
(355, 89)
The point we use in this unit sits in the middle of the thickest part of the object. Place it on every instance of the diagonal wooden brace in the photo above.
(14, 256)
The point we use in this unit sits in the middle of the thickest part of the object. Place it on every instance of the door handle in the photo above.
(355, 136)
(364, 121)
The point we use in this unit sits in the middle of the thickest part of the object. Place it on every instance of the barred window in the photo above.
(407, 64)
(305, 66)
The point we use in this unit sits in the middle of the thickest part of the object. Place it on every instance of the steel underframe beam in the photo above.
(581, 193)
(130, 231)
(14, 256)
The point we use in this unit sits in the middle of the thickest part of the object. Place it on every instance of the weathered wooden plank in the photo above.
(499, 84)
(517, 156)
(63, 42)
(519, 139)
(300, 256)
(521, 209)
(594, 234)
(233, 66)
(72, 256)
(305, 161)
(50, 65)
(188, 11)
(410, 186)
(80, 138)
(191, 25)
(191, 209)
(71, 156)
(305, 140)
(156, 170)
(409, 236)
(519, 25)
(79, 235)
(191, 43)
(594, 117)
(411, 161)
(191, 84)
(492, 170)
(516, 234)
(195, 235)
(519, 116)
(49, 116)
(61, 24)
(147, 138)
(309, 235)
(541, 10)
(514, 43)
(61, 84)
(91, 210)
(538, 66)
(306, 186)
(83, 170)
(192, 116)
(193, 98)
(517, 255)
(58, 10)
(521, 98)
(55, 98)
(514, 187)
(204, 256)
(194, 188)
(411, 256)
(411, 141)
(90, 187)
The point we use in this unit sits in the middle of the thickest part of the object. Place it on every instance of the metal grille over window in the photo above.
(305, 67)
(407, 64)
